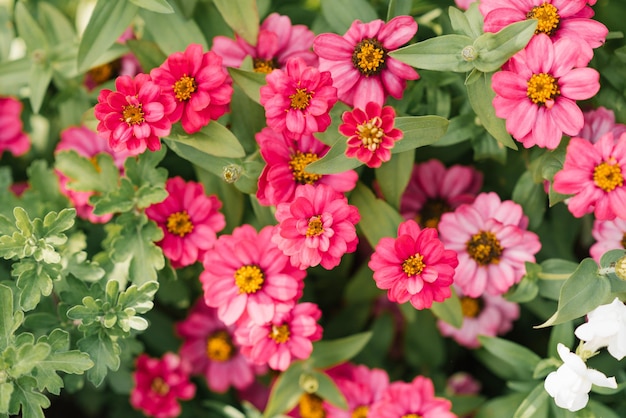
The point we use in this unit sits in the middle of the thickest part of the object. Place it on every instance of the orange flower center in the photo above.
(471, 307)
(280, 333)
(316, 227)
(608, 176)
(184, 87)
(159, 386)
(369, 57)
(264, 66)
(542, 88)
(311, 406)
(413, 265)
(360, 412)
(412, 416)
(219, 346)
(132, 114)
(298, 163)
(300, 99)
(370, 133)
(547, 16)
(178, 223)
(105, 72)
(249, 279)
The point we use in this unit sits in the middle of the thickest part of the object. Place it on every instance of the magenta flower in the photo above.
(197, 83)
(278, 41)
(286, 167)
(134, 116)
(247, 276)
(317, 227)
(414, 267)
(537, 95)
(189, 219)
(362, 387)
(598, 122)
(12, 136)
(492, 244)
(434, 190)
(414, 399)
(288, 336)
(209, 348)
(462, 383)
(359, 61)
(593, 173)
(371, 134)
(159, 384)
(464, 4)
(609, 235)
(297, 99)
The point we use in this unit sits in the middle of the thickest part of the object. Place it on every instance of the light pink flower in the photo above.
(189, 219)
(464, 4)
(198, 84)
(159, 384)
(434, 190)
(485, 315)
(537, 94)
(278, 41)
(288, 336)
(286, 167)
(246, 275)
(371, 134)
(462, 383)
(297, 99)
(593, 173)
(12, 136)
(414, 267)
(359, 60)
(317, 227)
(134, 116)
(210, 350)
(609, 235)
(598, 122)
(492, 244)
(87, 144)
(416, 398)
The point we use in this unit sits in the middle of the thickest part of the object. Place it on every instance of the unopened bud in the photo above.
(231, 173)
(469, 53)
(620, 268)
(308, 383)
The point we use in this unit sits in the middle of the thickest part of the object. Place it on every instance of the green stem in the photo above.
(554, 276)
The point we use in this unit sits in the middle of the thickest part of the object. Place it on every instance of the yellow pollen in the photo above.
(412, 416)
(105, 72)
(484, 248)
(264, 66)
(178, 223)
(300, 99)
(280, 334)
(311, 406)
(159, 386)
(608, 176)
(132, 114)
(413, 265)
(470, 307)
(219, 346)
(542, 88)
(249, 279)
(298, 163)
(360, 412)
(316, 227)
(184, 87)
(547, 16)
(370, 133)
(369, 57)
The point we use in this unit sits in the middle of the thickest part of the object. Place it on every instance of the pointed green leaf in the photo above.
(330, 353)
(157, 6)
(249, 81)
(86, 176)
(34, 280)
(55, 223)
(535, 405)
(494, 49)
(242, 16)
(6, 389)
(28, 356)
(206, 161)
(22, 221)
(172, 32)
(6, 317)
(394, 175)
(104, 353)
(449, 310)
(461, 24)
(381, 219)
(147, 53)
(532, 197)
(441, 53)
(328, 390)
(335, 160)
(213, 139)
(341, 14)
(29, 30)
(32, 402)
(285, 392)
(139, 298)
(519, 358)
(398, 8)
(419, 131)
(502, 406)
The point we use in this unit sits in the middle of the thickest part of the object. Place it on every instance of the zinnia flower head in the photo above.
(598, 122)
(492, 243)
(593, 173)
(159, 384)
(462, 383)
(605, 327)
(134, 116)
(189, 219)
(285, 170)
(278, 41)
(414, 267)
(359, 61)
(609, 235)
(12, 136)
(371, 134)
(537, 93)
(317, 227)
(198, 84)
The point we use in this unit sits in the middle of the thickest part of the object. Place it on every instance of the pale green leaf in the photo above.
(104, 353)
(519, 358)
(449, 310)
(398, 8)
(381, 220)
(28, 356)
(461, 24)
(394, 175)
(285, 392)
(86, 176)
(213, 139)
(147, 53)
(249, 81)
(494, 49)
(419, 131)
(40, 76)
(535, 405)
(6, 389)
(56, 25)
(328, 390)
(157, 6)
(341, 14)
(34, 280)
(330, 353)
(32, 402)
(335, 160)
(55, 223)
(441, 53)
(6, 316)
(172, 32)
(242, 16)
(211, 163)
(14, 75)
(29, 30)
(139, 298)
(500, 407)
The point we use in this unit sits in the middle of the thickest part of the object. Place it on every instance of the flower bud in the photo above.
(231, 173)
(620, 268)
(308, 383)
(469, 53)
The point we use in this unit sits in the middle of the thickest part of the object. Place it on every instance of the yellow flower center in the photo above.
(484, 248)
(298, 163)
(360, 412)
(547, 16)
(300, 99)
(413, 265)
(470, 307)
(370, 133)
(178, 223)
(105, 72)
(541, 88)
(249, 279)
(412, 416)
(431, 213)
(184, 87)
(264, 66)
(311, 406)
(280, 333)
(219, 346)
(608, 176)
(132, 114)
(159, 386)
(316, 227)
(369, 57)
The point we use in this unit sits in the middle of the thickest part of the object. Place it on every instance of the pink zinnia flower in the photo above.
(359, 60)
(414, 399)
(246, 275)
(414, 267)
(434, 190)
(462, 383)
(317, 227)
(189, 219)
(464, 4)
(485, 315)
(297, 99)
(134, 116)
(362, 387)
(288, 336)
(537, 95)
(278, 41)
(87, 144)
(492, 244)
(593, 173)
(159, 384)
(286, 167)
(12, 136)
(198, 84)
(609, 235)
(598, 122)
(209, 349)
(371, 134)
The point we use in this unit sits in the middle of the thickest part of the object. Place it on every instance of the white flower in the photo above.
(570, 384)
(605, 327)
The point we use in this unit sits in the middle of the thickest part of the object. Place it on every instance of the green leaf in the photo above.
(341, 14)
(14, 75)
(419, 131)
(6, 390)
(84, 175)
(40, 76)
(242, 16)
(461, 128)
(423, 343)
(330, 353)
(104, 353)
(211, 163)
(55, 223)
(394, 176)
(172, 32)
(213, 139)
(286, 391)
(562, 333)
(535, 405)
(34, 280)
(7, 321)
(521, 360)
(335, 160)
(500, 407)
(119, 200)
(380, 219)
(328, 390)
(56, 25)
(249, 81)
(461, 24)
(494, 49)
(449, 310)
(29, 30)
(157, 6)
(441, 53)
(32, 403)
(398, 8)
(383, 331)
(147, 53)
(139, 298)
(532, 197)
(28, 356)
